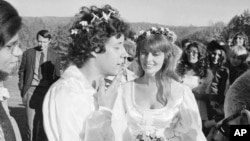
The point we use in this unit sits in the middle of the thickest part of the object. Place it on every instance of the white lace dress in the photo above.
(179, 120)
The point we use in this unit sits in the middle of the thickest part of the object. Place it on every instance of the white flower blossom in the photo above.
(84, 23)
(141, 32)
(167, 29)
(148, 33)
(162, 29)
(74, 31)
(153, 29)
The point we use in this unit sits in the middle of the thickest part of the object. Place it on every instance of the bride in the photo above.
(155, 105)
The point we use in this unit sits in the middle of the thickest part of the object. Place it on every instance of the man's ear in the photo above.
(94, 54)
(245, 117)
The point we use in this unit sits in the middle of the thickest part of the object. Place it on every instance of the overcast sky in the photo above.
(167, 12)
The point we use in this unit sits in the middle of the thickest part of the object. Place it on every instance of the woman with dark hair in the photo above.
(217, 59)
(10, 24)
(226, 75)
(156, 105)
(216, 56)
(77, 107)
(194, 72)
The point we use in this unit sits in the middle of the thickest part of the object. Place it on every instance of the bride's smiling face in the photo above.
(151, 61)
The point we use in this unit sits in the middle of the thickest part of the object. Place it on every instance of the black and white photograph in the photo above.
(124, 70)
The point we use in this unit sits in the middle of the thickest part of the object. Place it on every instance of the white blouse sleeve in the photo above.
(189, 127)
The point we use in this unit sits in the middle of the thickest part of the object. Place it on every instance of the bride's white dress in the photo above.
(179, 120)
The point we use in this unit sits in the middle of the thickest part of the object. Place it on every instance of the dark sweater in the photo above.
(6, 125)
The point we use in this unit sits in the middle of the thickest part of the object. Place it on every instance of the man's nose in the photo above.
(124, 53)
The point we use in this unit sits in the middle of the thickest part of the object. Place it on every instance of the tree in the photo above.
(236, 24)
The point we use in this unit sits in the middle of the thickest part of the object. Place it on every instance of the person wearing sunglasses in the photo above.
(236, 107)
(130, 64)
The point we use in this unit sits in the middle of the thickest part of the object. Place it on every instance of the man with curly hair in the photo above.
(78, 107)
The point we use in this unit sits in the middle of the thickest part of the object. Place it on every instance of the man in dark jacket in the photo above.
(39, 68)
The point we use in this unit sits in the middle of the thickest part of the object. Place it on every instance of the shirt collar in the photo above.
(73, 72)
(4, 94)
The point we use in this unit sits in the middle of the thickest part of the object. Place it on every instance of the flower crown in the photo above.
(171, 36)
(85, 26)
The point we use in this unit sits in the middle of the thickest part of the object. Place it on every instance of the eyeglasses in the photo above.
(193, 52)
(130, 59)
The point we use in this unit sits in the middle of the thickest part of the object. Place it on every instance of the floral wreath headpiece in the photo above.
(84, 26)
(171, 36)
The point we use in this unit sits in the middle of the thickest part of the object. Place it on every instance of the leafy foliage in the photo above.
(236, 24)
(59, 28)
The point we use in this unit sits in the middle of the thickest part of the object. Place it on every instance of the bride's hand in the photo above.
(107, 98)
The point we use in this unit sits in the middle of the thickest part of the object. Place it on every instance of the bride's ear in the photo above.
(245, 117)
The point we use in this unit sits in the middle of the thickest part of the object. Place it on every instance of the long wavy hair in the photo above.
(202, 63)
(211, 48)
(155, 43)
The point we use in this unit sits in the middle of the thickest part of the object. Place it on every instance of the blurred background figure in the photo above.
(217, 88)
(39, 69)
(216, 56)
(236, 107)
(236, 62)
(185, 43)
(240, 38)
(194, 72)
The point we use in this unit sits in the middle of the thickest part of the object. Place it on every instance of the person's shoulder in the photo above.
(30, 50)
(52, 51)
(178, 87)
(177, 84)
(62, 90)
(178, 92)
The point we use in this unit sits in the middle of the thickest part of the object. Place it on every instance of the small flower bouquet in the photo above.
(148, 136)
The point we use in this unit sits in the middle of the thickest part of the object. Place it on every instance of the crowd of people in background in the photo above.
(122, 88)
